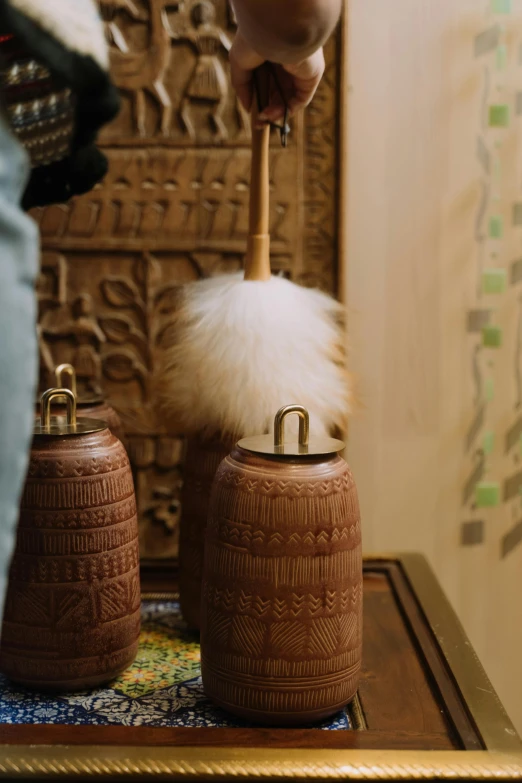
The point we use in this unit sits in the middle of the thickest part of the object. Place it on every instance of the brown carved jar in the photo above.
(202, 460)
(282, 584)
(72, 612)
(91, 406)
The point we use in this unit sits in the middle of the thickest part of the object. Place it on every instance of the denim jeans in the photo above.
(19, 257)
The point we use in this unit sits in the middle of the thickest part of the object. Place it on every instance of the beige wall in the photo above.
(418, 98)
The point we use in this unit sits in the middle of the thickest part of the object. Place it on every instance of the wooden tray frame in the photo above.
(500, 758)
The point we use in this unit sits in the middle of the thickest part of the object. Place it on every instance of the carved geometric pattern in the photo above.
(72, 609)
(347, 629)
(113, 598)
(245, 535)
(85, 542)
(324, 636)
(293, 605)
(33, 605)
(72, 519)
(219, 625)
(282, 699)
(77, 569)
(329, 570)
(75, 672)
(289, 487)
(84, 466)
(247, 635)
(288, 638)
(93, 492)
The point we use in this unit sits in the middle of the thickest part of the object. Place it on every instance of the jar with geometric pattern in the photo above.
(72, 611)
(281, 633)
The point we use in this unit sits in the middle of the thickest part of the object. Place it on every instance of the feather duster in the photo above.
(244, 347)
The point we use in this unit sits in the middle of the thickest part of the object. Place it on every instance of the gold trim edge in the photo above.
(356, 714)
(304, 764)
(479, 696)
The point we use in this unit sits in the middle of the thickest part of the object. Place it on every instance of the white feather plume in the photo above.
(243, 349)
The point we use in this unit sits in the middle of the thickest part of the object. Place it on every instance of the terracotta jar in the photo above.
(201, 462)
(282, 584)
(91, 406)
(72, 612)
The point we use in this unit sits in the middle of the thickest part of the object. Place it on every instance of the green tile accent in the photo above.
(489, 389)
(488, 442)
(494, 281)
(499, 115)
(501, 57)
(496, 226)
(487, 494)
(492, 336)
(501, 6)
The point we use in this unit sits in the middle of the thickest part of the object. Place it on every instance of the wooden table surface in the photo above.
(409, 697)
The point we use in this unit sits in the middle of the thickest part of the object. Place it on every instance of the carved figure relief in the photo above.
(173, 208)
(208, 82)
(143, 70)
(108, 12)
(153, 40)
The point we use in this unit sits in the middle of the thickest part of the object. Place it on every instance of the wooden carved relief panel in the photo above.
(174, 208)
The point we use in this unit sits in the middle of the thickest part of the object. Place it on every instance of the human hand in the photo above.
(297, 81)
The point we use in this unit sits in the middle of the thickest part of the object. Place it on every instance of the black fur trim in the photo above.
(65, 178)
(97, 103)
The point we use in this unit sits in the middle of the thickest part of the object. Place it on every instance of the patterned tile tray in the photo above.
(163, 688)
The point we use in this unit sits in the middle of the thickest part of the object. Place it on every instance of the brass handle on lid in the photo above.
(66, 369)
(48, 397)
(274, 445)
(279, 425)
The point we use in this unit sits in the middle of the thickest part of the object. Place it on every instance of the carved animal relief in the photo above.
(173, 208)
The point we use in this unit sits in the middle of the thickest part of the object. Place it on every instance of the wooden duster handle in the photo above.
(257, 264)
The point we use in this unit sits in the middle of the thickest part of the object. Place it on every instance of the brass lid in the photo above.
(64, 425)
(304, 447)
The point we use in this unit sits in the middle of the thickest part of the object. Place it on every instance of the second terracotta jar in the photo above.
(281, 630)
(92, 406)
(202, 460)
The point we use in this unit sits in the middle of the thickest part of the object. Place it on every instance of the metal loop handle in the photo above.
(279, 425)
(48, 397)
(66, 369)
